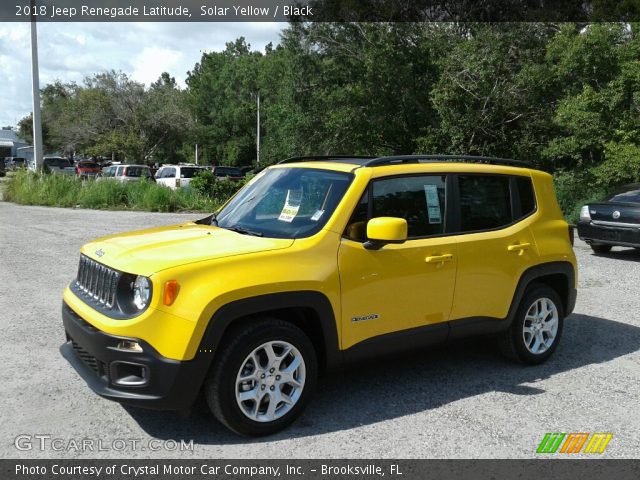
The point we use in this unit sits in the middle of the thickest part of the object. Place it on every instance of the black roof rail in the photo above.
(326, 158)
(399, 159)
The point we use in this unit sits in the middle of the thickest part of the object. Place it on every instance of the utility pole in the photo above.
(196, 154)
(258, 133)
(35, 84)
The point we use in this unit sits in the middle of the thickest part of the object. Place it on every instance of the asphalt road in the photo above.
(464, 401)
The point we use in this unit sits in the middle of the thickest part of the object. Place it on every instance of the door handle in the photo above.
(520, 248)
(439, 258)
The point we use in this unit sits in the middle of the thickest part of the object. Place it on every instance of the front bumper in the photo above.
(144, 379)
(606, 235)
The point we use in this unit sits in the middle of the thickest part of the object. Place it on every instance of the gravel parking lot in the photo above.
(464, 401)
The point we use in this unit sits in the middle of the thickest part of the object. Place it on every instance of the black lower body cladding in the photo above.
(145, 379)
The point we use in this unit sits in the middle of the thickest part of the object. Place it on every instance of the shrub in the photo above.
(205, 184)
(576, 188)
(56, 190)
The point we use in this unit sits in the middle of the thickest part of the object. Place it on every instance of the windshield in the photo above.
(285, 202)
(632, 196)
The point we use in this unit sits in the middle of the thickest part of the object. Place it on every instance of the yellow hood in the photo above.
(145, 252)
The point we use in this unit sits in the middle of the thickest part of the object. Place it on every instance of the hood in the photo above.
(145, 252)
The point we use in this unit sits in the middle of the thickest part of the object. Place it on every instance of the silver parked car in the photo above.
(126, 173)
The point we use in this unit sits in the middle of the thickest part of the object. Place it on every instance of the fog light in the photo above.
(129, 374)
(129, 345)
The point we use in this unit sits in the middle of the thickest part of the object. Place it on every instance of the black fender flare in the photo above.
(316, 301)
(538, 271)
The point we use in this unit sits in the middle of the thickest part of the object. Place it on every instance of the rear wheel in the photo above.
(536, 329)
(263, 378)
(599, 248)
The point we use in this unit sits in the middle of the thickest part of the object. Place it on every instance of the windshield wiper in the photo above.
(244, 231)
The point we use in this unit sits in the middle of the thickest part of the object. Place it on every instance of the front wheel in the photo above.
(536, 329)
(263, 378)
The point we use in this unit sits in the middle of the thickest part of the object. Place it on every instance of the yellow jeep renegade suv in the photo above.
(317, 262)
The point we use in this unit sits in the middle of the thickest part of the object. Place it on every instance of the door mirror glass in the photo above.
(383, 230)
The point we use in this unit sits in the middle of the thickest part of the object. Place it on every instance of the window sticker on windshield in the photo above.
(433, 204)
(291, 206)
(316, 216)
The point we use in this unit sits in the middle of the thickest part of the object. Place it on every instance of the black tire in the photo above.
(513, 341)
(220, 385)
(599, 248)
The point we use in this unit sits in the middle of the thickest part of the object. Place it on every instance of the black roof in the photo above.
(369, 161)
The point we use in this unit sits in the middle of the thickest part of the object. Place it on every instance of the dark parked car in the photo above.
(14, 163)
(227, 173)
(615, 221)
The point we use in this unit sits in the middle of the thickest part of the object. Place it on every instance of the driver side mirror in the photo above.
(383, 230)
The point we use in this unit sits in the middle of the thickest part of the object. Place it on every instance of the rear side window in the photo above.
(485, 202)
(136, 171)
(189, 172)
(527, 197)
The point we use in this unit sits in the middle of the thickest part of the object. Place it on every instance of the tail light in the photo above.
(177, 182)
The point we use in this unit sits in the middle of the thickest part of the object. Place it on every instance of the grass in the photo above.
(53, 190)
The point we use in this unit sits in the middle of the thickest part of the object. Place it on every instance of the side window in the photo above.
(169, 173)
(420, 200)
(527, 197)
(119, 171)
(485, 202)
(357, 226)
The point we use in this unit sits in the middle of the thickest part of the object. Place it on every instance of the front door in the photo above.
(397, 287)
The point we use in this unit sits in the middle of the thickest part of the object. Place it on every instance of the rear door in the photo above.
(495, 243)
(187, 173)
(167, 177)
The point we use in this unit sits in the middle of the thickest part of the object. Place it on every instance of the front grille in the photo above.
(98, 281)
(92, 362)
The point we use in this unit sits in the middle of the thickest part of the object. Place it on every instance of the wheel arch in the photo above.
(560, 276)
(310, 311)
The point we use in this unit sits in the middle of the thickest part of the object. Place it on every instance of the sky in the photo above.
(73, 51)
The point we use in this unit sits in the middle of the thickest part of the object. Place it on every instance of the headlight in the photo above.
(141, 292)
(584, 214)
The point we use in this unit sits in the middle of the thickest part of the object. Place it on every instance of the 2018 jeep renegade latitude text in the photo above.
(317, 262)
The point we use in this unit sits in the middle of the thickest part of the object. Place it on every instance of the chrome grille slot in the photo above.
(98, 281)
